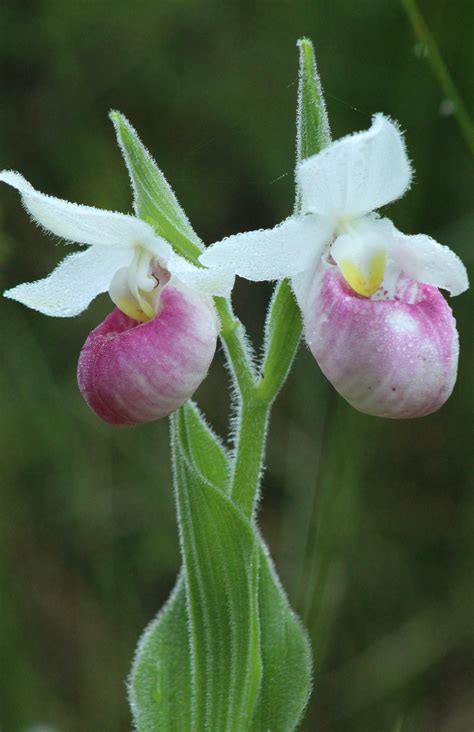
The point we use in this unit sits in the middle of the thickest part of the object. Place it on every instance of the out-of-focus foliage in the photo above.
(371, 522)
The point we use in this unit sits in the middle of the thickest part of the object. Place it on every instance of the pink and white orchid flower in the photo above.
(153, 351)
(374, 318)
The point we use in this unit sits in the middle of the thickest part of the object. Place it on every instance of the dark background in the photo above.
(370, 521)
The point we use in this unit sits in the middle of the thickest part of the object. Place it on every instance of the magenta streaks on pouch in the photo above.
(131, 372)
(388, 358)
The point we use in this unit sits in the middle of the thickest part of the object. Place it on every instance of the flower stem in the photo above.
(238, 352)
(282, 340)
(250, 448)
(441, 71)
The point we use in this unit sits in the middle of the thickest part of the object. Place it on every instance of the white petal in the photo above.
(357, 174)
(217, 281)
(82, 224)
(271, 254)
(74, 283)
(423, 259)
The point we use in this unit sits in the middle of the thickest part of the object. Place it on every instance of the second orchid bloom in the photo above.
(374, 318)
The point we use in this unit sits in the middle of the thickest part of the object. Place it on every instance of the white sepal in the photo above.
(271, 254)
(77, 280)
(358, 173)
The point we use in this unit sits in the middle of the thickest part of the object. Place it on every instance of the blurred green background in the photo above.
(370, 521)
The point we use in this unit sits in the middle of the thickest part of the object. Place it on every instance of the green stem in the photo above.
(284, 328)
(441, 71)
(249, 454)
(282, 340)
(233, 336)
(252, 416)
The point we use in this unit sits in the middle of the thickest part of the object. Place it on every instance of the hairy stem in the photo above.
(238, 353)
(249, 454)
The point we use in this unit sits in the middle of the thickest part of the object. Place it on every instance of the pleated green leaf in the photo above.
(242, 661)
(284, 687)
(286, 656)
(220, 554)
(160, 686)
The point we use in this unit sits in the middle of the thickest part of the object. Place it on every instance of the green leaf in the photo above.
(286, 656)
(160, 686)
(221, 566)
(160, 681)
(154, 200)
(205, 450)
(284, 687)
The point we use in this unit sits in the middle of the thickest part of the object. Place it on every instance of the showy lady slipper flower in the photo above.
(152, 352)
(374, 318)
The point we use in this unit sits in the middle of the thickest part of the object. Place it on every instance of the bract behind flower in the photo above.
(131, 372)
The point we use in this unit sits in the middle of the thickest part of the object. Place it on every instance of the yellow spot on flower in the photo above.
(369, 285)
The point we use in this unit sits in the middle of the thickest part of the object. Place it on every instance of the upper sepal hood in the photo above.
(130, 373)
(389, 358)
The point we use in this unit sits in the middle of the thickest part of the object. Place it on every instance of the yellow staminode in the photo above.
(369, 285)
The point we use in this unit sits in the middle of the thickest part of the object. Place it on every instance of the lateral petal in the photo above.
(271, 254)
(358, 173)
(425, 260)
(77, 280)
(217, 281)
(81, 224)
